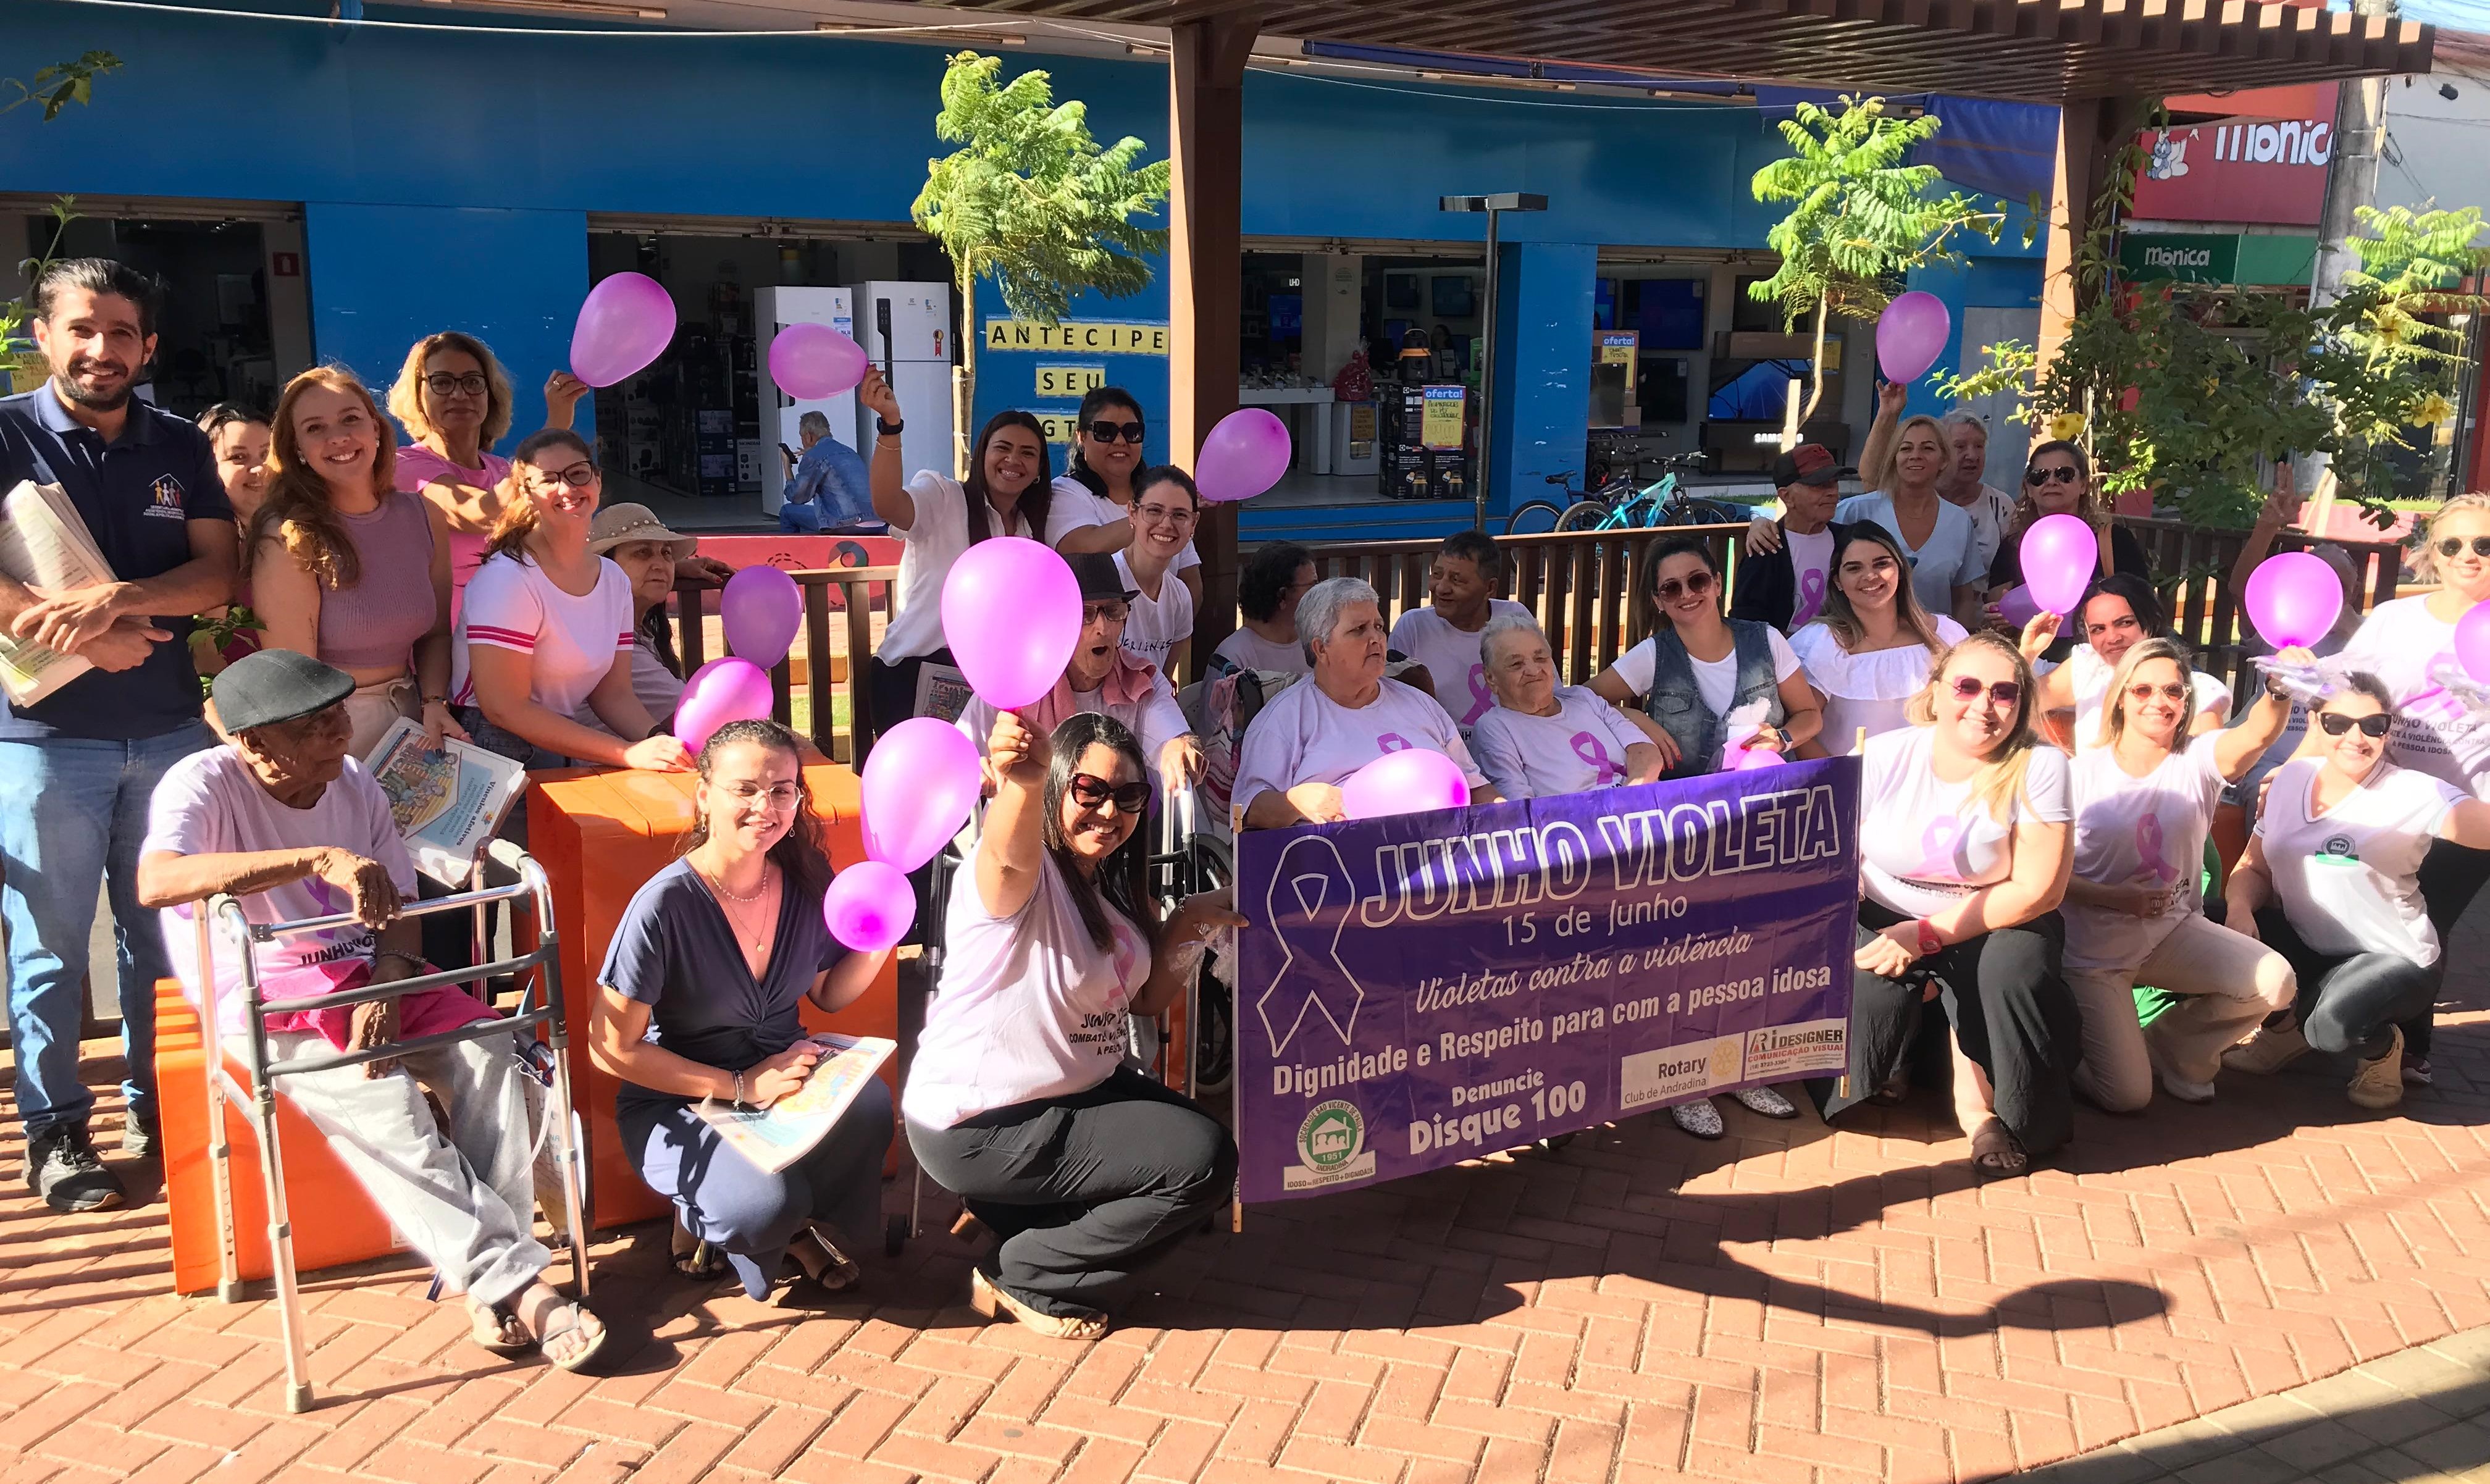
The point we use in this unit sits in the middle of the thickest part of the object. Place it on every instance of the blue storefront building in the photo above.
(331, 191)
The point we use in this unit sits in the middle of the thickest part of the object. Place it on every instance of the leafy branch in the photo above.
(60, 84)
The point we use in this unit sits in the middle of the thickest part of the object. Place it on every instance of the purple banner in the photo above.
(1427, 988)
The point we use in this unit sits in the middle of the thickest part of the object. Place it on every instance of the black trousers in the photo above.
(2450, 878)
(1084, 1189)
(2349, 1001)
(2010, 1008)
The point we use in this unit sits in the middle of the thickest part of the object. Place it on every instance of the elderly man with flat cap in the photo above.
(292, 827)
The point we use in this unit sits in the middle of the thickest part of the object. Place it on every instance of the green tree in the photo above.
(1861, 218)
(1033, 203)
(56, 87)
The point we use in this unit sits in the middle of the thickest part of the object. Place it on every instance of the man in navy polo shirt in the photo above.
(78, 768)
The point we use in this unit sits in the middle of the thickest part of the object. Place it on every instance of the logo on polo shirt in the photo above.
(2339, 846)
(164, 499)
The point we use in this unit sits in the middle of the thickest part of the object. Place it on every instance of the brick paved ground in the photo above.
(1792, 1305)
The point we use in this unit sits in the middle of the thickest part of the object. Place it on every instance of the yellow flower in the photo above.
(2067, 426)
(2433, 410)
(2390, 325)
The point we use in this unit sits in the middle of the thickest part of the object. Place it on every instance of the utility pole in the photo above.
(2350, 183)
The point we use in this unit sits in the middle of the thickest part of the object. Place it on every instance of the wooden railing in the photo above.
(845, 610)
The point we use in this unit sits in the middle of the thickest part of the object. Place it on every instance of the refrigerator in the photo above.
(907, 328)
(774, 308)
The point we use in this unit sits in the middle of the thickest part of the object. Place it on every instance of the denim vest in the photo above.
(1677, 703)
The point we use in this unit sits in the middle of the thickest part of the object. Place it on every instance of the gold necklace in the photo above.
(759, 935)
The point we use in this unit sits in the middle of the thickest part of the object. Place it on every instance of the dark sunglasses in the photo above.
(1672, 589)
(2173, 692)
(1110, 432)
(2373, 726)
(2003, 693)
(1090, 793)
(2454, 545)
(2061, 475)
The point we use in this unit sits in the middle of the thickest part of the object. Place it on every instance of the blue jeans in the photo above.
(805, 517)
(73, 814)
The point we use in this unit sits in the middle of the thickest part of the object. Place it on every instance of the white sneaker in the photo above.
(2379, 1085)
(2184, 1089)
(2267, 1051)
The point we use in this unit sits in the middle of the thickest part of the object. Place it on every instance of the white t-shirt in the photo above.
(1158, 623)
(210, 803)
(1949, 560)
(2146, 831)
(1870, 691)
(2090, 674)
(1926, 844)
(2400, 642)
(2364, 897)
(1028, 1007)
(1811, 573)
(1582, 747)
(927, 550)
(570, 641)
(1074, 507)
(1302, 735)
(1992, 515)
(1452, 658)
(1247, 649)
(660, 689)
(1716, 680)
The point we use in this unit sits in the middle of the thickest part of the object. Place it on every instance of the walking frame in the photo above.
(258, 1103)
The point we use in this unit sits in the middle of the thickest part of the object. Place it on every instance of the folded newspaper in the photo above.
(448, 803)
(44, 544)
(778, 1135)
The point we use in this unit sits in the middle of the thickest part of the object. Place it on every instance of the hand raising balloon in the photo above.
(1017, 752)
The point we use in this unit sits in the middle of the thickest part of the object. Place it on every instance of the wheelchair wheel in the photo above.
(1584, 516)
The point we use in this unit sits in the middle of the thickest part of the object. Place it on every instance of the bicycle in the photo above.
(1539, 516)
(1665, 501)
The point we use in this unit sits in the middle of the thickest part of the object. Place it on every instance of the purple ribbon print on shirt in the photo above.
(1392, 742)
(1481, 698)
(1810, 596)
(1938, 850)
(1311, 897)
(2149, 850)
(1595, 752)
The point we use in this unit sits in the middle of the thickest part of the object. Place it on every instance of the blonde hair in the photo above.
(1893, 463)
(298, 510)
(519, 517)
(1999, 784)
(2113, 723)
(1841, 621)
(2426, 566)
(406, 394)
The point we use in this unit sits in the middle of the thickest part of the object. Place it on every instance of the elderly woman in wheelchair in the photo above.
(283, 820)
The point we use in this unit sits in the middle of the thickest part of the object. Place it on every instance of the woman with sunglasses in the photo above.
(543, 671)
(1706, 682)
(1164, 509)
(2144, 805)
(1018, 1100)
(2058, 481)
(2333, 881)
(2119, 613)
(937, 519)
(1094, 498)
(1964, 857)
(1869, 651)
(701, 1001)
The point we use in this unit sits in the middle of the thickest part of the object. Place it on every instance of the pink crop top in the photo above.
(375, 622)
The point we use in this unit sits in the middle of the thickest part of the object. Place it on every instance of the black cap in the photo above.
(1098, 577)
(276, 686)
(1809, 463)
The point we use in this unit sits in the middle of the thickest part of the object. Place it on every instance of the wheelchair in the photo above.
(541, 1009)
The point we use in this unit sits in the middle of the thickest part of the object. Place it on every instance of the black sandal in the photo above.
(694, 1256)
(2000, 1161)
(833, 1270)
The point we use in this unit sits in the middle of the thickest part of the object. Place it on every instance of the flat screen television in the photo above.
(1454, 297)
(1400, 291)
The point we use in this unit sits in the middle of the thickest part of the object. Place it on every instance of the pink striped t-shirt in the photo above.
(511, 604)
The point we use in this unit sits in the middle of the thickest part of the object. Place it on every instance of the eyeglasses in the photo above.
(778, 796)
(1091, 793)
(2006, 693)
(2454, 545)
(1113, 610)
(2173, 692)
(1110, 432)
(2061, 475)
(1672, 589)
(1164, 515)
(443, 384)
(577, 476)
(2373, 726)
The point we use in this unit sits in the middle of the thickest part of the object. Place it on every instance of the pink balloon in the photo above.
(2473, 642)
(2059, 555)
(719, 692)
(760, 611)
(869, 906)
(920, 782)
(1911, 333)
(1751, 758)
(1412, 781)
(810, 361)
(2293, 597)
(1245, 454)
(625, 324)
(2018, 607)
(1011, 613)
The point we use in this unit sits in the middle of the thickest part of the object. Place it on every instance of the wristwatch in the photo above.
(889, 430)
(1929, 941)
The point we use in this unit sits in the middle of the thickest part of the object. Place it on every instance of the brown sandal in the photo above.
(2002, 1158)
(496, 1330)
(995, 1301)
